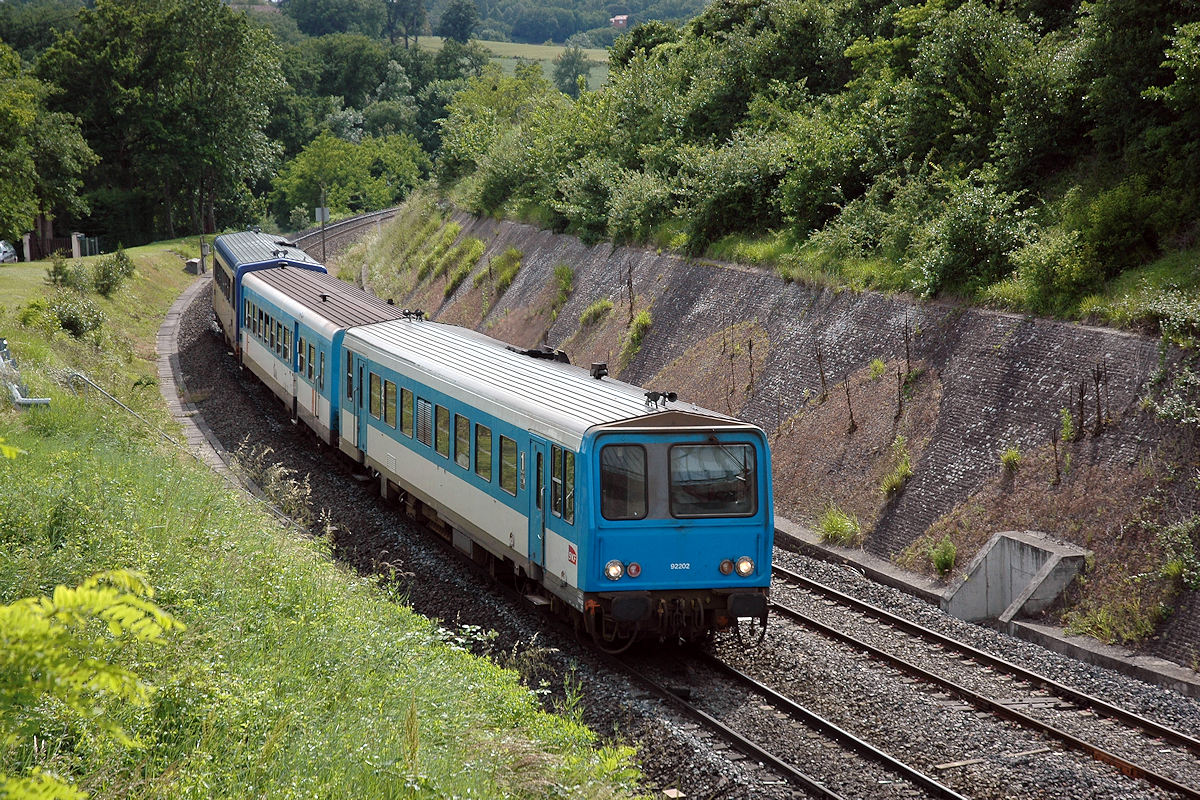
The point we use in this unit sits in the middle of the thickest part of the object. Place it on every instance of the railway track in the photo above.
(742, 712)
(321, 244)
(1050, 708)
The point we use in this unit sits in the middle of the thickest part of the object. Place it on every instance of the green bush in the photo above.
(971, 242)
(66, 274)
(595, 312)
(107, 276)
(943, 555)
(583, 195)
(1010, 457)
(877, 368)
(637, 203)
(76, 313)
(838, 527)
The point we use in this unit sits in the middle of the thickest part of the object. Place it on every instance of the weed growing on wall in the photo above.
(595, 312)
(633, 339)
(901, 470)
(838, 527)
(943, 555)
(564, 281)
(1010, 458)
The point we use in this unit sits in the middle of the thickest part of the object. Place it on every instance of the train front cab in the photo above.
(682, 529)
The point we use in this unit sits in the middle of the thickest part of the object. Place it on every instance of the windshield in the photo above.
(712, 480)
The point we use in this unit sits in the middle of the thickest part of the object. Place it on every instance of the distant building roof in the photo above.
(619, 21)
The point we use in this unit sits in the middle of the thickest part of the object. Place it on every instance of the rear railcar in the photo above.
(237, 254)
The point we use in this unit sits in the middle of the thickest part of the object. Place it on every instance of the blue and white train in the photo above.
(635, 515)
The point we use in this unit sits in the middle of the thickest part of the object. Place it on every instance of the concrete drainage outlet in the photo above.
(1017, 573)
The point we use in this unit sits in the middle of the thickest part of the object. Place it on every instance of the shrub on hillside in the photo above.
(76, 313)
(971, 242)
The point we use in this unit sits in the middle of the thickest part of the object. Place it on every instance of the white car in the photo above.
(8, 253)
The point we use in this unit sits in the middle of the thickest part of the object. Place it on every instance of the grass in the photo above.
(943, 555)
(564, 280)
(295, 676)
(1010, 458)
(501, 271)
(595, 312)
(634, 336)
(509, 54)
(838, 527)
(901, 470)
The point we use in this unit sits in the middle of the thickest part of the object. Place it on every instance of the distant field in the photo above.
(507, 55)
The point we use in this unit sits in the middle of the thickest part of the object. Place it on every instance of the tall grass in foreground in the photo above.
(295, 677)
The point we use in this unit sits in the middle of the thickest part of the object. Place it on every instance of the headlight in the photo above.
(614, 570)
(745, 566)
(634, 569)
(726, 567)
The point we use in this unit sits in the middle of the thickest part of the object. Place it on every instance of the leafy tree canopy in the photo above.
(458, 20)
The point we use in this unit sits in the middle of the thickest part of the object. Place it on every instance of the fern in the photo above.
(63, 645)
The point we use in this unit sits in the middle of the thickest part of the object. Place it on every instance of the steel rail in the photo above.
(997, 707)
(741, 743)
(1080, 698)
(833, 731)
(350, 224)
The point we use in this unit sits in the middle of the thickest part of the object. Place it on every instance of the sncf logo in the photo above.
(572, 556)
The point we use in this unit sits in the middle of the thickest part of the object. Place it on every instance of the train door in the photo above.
(537, 502)
(349, 404)
(292, 365)
(360, 399)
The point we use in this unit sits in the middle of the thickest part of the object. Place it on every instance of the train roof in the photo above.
(341, 303)
(560, 401)
(252, 247)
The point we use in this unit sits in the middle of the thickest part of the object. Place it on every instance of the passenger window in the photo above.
(508, 465)
(311, 353)
(406, 413)
(287, 344)
(301, 352)
(424, 426)
(389, 403)
(712, 480)
(462, 441)
(249, 312)
(321, 374)
(623, 481)
(569, 487)
(483, 452)
(376, 406)
(349, 375)
(442, 421)
(556, 480)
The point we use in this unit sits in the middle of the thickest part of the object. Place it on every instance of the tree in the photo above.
(406, 17)
(321, 17)
(355, 176)
(458, 20)
(42, 154)
(173, 96)
(571, 65)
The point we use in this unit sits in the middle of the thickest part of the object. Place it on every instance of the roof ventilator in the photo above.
(660, 399)
(411, 314)
(545, 351)
(599, 369)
